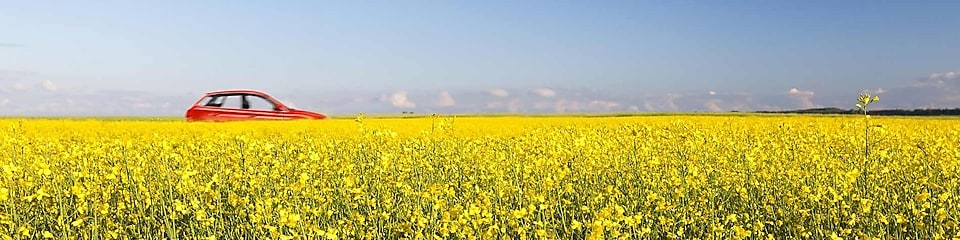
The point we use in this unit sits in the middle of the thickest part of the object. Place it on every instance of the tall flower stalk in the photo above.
(863, 101)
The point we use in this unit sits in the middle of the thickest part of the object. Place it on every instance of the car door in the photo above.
(231, 108)
(263, 109)
(208, 109)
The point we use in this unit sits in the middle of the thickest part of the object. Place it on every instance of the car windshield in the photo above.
(286, 103)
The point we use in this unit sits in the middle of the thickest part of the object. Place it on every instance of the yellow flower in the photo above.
(923, 196)
(4, 194)
(331, 234)
(289, 219)
(520, 213)
(833, 236)
(576, 225)
(740, 232)
(941, 214)
(900, 218)
(732, 218)
(77, 223)
(477, 177)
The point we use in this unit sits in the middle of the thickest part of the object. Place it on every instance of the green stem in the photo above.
(866, 133)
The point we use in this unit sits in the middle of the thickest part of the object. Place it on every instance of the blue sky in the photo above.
(345, 57)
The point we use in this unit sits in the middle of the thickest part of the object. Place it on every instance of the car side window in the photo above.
(239, 101)
(213, 101)
(259, 103)
(231, 101)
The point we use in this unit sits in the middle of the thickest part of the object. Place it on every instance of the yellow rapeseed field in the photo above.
(683, 177)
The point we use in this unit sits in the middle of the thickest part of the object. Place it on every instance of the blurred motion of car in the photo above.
(238, 105)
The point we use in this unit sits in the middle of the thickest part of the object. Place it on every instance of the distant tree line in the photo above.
(884, 112)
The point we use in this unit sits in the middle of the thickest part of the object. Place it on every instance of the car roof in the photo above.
(236, 91)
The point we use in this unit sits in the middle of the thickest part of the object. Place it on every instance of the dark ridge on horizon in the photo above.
(880, 112)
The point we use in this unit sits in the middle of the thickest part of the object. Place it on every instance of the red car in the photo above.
(236, 105)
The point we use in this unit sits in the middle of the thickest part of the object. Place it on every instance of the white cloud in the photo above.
(95, 103)
(543, 92)
(713, 105)
(603, 105)
(936, 90)
(499, 92)
(803, 98)
(142, 105)
(543, 105)
(662, 103)
(938, 79)
(649, 106)
(565, 105)
(18, 86)
(4, 102)
(950, 75)
(562, 105)
(445, 100)
(399, 99)
(91, 102)
(514, 105)
(48, 85)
